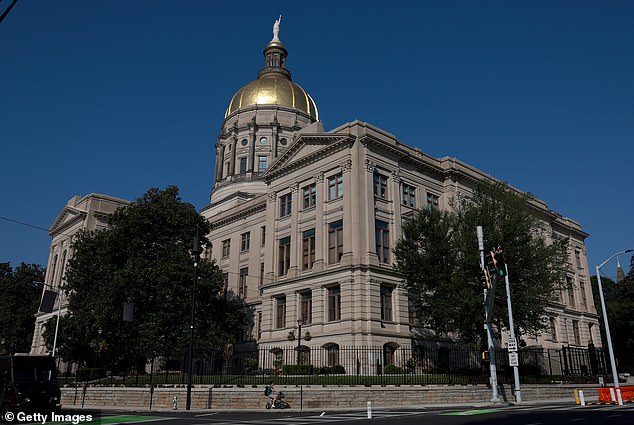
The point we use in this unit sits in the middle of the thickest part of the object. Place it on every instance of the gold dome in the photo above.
(273, 89)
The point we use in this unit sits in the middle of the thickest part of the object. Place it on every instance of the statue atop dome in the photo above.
(276, 29)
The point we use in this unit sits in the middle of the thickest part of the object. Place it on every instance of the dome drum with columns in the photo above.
(262, 119)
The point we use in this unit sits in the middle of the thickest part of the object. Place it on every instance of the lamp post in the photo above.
(299, 338)
(196, 251)
(615, 375)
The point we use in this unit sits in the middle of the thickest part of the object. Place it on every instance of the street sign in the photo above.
(514, 359)
(512, 345)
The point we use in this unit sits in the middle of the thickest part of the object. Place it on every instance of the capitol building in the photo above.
(304, 221)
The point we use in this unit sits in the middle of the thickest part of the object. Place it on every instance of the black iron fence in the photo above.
(386, 365)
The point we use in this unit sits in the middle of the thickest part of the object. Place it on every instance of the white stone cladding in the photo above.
(356, 151)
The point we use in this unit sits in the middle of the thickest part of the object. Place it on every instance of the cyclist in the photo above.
(269, 391)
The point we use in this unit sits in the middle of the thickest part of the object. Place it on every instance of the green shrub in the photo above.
(90, 374)
(291, 369)
(391, 369)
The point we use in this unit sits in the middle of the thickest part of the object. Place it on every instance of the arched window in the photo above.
(332, 354)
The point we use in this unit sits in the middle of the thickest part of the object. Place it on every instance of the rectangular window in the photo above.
(306, 307)
(245, 243)
(228, 168)
(584, 297)
(285, 256)
(335, 242)
(575, 331)
(226, 247)
(225, 283)
(334, 303)
(578, 258)
(261, 164)
(243, 165)
(571, 292)
(262, 235)
(382, 237)
(261, 273)
(310, 195)
(553, 328)
(286, 204)
(242, 287)
(432, 201)
(380, 186)
(409, 195)
(280, 312)
(386, 303)
(335, 186)
(308, 249)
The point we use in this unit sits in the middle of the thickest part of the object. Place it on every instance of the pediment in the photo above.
(67, 217)
(305, 148)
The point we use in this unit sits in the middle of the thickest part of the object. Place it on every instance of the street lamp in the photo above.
(196, 251)
(299, 337)
(615, 375)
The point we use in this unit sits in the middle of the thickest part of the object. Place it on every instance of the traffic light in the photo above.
(498, 260)
(489, 265)
(484, 279)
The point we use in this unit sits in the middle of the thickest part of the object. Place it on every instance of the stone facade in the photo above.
(80, 213)
(304, 229)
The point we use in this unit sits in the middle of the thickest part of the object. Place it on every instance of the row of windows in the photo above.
(335, 245)
(335, 191)
(261, 140)
(262, 164)
(333, 306)
(408, 193)
(309, 195)
(245, 242)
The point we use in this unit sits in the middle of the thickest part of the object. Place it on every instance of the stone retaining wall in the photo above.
(311, 396)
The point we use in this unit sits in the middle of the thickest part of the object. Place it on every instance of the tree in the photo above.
(439, 258)
(20, 302)
(619, 305)
(143, 258)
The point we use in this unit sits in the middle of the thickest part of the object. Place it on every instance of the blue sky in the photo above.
(116, 97)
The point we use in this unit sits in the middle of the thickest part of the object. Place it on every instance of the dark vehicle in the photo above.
(28, 384)
(279, 403)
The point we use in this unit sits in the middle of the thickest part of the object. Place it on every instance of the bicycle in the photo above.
(279, 403)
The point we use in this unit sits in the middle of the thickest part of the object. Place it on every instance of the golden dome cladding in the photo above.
(273, 89)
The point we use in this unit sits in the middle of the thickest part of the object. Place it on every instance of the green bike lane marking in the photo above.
(471, 412)
(112, 420)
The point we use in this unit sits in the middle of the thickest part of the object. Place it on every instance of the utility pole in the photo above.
(512, 346)
(488, 313)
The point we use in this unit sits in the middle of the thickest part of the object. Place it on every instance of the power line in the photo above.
(23, 223)
(6, 12)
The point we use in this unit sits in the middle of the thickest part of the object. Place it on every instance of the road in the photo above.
(515, 415)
